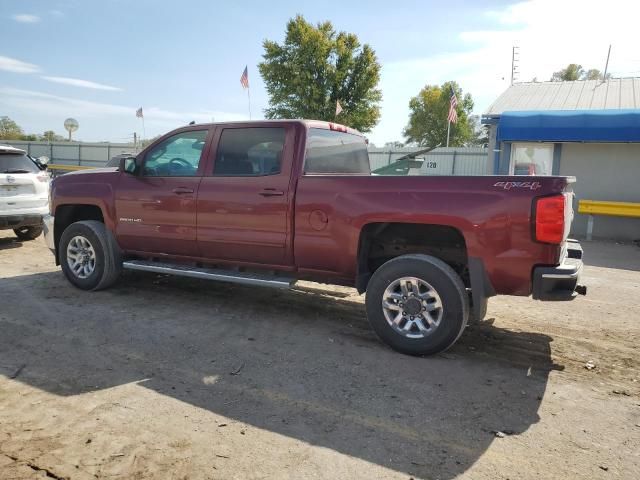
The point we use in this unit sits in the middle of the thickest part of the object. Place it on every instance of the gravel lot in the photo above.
(164, 377)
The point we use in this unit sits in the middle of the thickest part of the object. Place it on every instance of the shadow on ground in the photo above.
(612, 255)
(298, 363)
(7, 243)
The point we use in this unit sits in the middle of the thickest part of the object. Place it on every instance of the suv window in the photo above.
(246, 152)
(177, 156)
(329, 151)
(17, 163)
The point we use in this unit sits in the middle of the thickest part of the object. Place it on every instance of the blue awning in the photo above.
(570, 126)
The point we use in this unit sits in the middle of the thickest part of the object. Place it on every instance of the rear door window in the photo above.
(249, 152)
(329, 152)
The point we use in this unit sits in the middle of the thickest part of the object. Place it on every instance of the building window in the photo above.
(531, 159)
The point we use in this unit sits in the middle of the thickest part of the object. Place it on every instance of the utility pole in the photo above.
(606, 67)
(514, 63)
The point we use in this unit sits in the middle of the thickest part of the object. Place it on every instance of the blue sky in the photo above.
(98, 61)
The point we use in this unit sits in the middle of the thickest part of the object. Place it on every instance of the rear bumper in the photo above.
(561, 282)
(17, 221)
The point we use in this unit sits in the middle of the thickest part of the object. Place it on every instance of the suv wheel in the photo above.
(89, 255)
(417, 304)
(28, 233)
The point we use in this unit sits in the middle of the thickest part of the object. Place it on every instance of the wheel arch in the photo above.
(66, 214)
(382, 241)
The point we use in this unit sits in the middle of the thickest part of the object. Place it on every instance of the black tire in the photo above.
(108, 260)
(28, 233)
(483, 311)
(448, 286)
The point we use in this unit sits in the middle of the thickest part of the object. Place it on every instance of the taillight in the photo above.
(550, 219)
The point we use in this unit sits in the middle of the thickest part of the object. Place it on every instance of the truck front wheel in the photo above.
(89, 255)
(417, 304)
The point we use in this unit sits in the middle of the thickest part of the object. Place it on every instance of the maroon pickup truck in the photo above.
(268, 203)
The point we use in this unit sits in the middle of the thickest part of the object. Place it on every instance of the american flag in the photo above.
(453, 103)
(244, 79)
(139, 113)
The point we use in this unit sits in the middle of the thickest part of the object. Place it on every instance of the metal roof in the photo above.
(615, 93)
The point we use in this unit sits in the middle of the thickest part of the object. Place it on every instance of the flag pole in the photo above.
(144, 132)
(448, 131)
(249, 98)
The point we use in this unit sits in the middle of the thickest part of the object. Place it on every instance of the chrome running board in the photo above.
(210, 274)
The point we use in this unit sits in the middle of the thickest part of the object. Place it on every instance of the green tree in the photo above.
(573, 72)
(50, 136)
(314, 68)
(480, 135)
(428, 118)
(10, 130)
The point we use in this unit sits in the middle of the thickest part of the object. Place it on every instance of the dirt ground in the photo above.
(170, 378)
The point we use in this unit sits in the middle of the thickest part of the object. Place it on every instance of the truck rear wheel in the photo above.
(89, 256)
(417, 304)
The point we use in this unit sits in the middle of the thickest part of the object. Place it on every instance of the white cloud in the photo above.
(550, 34)
(76, 82)
(17, 66)
(99, 121)
(56, 13)
(26, 18)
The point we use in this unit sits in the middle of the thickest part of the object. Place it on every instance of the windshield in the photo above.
(17, 163)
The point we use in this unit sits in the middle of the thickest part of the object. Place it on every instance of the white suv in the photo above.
(24, 192)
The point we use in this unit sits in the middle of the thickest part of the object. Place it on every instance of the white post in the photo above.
(249, 98)
(589, 227)
(448, 131)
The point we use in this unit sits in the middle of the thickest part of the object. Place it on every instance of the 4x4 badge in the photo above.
(11, 179)
(510, 185)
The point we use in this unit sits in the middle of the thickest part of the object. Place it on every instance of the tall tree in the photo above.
(316, 67)
(428, 117)
(10, 130)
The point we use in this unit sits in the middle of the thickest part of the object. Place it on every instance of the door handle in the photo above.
(271, 192)
(182, 190)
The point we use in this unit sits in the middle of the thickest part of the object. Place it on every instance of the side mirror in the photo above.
(43, 160)
(128, 165)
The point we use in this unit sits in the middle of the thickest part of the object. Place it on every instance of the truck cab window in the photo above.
(330, 152)
(177, 156)
(249, 152)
